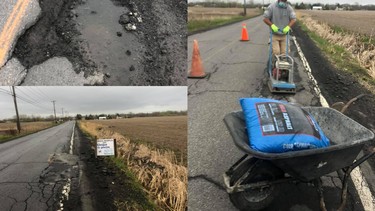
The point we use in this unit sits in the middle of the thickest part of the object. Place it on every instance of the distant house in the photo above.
(102, 118)
(317, 8)
(118, 117)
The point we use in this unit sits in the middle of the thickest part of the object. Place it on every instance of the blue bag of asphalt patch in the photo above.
(275, 126)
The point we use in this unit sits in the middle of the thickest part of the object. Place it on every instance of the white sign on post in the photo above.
(105, 147)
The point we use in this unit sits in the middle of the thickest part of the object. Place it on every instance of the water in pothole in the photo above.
(115, 50)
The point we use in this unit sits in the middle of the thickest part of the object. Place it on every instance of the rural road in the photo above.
(35, 169)
(96, 42)
(237, 69)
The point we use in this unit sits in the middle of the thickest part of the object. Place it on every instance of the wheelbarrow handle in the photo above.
(362, 159)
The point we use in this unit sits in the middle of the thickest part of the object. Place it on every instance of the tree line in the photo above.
(37, 118)
(131, 115)
(251, 4)
(29, 118)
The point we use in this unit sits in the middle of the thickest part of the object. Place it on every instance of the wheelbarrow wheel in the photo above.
(255, 199)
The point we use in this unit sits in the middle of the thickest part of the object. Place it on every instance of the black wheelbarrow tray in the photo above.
(252, 181)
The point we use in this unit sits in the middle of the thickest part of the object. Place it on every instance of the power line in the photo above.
(30, 102)
(5, 91)
(37, 94)
(37, 88)
(30, 98)
(26, 98)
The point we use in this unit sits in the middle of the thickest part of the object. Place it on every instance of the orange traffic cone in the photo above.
(196, 70)
(245, 36)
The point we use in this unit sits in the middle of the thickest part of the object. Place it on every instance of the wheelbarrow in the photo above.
(252, 182)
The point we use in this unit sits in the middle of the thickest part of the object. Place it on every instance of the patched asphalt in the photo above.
(58, 72)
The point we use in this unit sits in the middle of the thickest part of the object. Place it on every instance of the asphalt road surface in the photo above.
(35, 169)
(96, 42)
(237, 69)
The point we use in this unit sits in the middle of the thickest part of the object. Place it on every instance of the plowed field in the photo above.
(356, 21)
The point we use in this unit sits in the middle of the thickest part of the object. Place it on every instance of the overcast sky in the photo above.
(363, 2)
(92, 100)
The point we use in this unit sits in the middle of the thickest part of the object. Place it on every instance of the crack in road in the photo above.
(47, 192)
(208, 179)
(191, 85)
(7, 165)
(15, 200)
(242, 62)
(223, 91)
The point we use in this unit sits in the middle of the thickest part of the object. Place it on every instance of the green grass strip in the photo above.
(137, 198)
(198, 25)
(339, 56)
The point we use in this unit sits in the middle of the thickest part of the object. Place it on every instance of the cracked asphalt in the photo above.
(237, 69)
(35, 169)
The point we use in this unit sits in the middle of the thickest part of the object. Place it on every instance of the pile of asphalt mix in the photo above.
(148, 46)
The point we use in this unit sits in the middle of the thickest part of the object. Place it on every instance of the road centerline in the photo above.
(8, 31)
(9, 22)
(221, 49)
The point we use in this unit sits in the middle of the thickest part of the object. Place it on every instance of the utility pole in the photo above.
(62, 112)
(54, 110)
(15, 105)
(244, 7)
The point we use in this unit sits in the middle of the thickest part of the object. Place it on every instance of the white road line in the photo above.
(356, 175)
(66, 187)
(65, 194)
(71, 140)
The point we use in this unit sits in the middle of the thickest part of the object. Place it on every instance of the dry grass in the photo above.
(161, 132)
(210, 13)
(26, 127)
(158, 171)
(364, 53)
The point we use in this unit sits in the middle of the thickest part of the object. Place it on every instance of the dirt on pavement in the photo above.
(153, 54)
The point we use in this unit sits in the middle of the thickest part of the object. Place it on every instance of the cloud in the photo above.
(93, 100)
